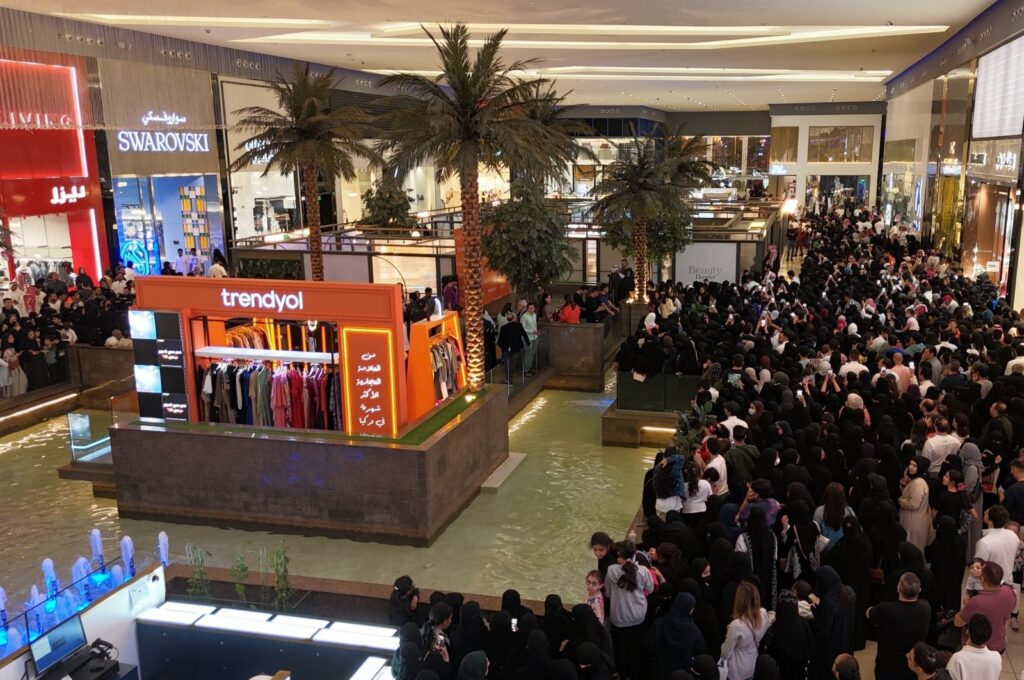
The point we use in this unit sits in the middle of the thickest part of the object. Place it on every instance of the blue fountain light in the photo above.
(99, 577)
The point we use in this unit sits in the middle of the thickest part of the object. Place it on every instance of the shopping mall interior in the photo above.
(662, 341)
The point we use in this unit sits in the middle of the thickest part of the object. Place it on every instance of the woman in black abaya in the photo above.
(851, 558)
(792, 645)
(947, 555)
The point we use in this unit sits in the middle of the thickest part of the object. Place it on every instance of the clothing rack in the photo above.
(425, 392)
(278, 396)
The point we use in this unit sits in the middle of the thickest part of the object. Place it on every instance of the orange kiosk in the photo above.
(350, 335)
(203, 352)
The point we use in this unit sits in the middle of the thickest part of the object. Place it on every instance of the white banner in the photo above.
(711, 261)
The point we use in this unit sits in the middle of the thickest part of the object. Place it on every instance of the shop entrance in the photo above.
(158, 215)
(988, 232)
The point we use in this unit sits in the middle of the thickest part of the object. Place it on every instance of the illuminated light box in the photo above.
(363, 629)
(264, 628)
(358, 640)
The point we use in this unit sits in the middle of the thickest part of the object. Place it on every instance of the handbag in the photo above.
(723, 669)
(820, 545)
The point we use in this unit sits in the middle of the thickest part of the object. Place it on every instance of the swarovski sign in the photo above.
(270, 300)
(163, 142)
(145, 141)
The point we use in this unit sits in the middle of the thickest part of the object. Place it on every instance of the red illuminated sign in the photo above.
(369, 376)
(41, 121)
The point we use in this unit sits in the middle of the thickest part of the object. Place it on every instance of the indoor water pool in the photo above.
(531, 534)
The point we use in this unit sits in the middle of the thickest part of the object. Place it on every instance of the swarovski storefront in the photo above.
(163, 159)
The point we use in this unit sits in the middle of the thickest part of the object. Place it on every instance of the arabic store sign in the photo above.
(149, 141)
(46, 196)
(369, 382)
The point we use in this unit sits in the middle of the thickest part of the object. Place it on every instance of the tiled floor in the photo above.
(1013, 660)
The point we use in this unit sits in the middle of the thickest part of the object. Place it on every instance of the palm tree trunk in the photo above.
(640, 248)
(470, 283)
(316, 246)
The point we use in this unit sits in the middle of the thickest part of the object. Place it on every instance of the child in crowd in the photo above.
(803, 591)
(601, 544)
(974, 578)
(595, 593)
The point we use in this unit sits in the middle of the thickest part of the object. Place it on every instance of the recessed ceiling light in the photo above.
(178, 20)
(790, 35)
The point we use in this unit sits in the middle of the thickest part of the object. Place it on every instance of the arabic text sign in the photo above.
(369, 382)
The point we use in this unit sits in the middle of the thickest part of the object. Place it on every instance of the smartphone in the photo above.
(799, 394)
(515, 625)
(831, 372)
(911, 365)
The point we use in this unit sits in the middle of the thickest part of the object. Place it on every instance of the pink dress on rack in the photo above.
(280, 399)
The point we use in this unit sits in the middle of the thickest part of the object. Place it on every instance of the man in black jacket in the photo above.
(512, 338)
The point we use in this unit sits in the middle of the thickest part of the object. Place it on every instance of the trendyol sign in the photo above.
(271, 300)
(163, 142)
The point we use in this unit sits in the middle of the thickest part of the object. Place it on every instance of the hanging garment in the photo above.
(296, 413)
(281, 398)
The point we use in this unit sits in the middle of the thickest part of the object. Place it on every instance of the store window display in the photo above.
(260, 203)
(158, 215)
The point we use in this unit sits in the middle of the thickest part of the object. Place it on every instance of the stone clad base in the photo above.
(620, 427)
(361, 490)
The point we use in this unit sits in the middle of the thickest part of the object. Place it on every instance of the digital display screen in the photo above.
(142, 324)
(147, 379)
(56, 645)
(170, 353)
(175, 406)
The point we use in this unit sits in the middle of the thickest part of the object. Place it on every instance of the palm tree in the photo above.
(653, 177)
(308, 137)
(478, 116)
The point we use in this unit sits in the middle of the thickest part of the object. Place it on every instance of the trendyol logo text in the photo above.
(269, 300)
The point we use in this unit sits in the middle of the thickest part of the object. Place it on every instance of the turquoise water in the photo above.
(531, 534)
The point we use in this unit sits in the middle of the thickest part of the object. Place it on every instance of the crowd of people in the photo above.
(41, 318)
(849, 471)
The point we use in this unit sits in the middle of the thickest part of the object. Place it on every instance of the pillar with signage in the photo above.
(166, 173)
(49, 185)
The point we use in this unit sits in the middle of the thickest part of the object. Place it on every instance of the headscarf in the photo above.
(677, 635)
(589, 655)
(502, 640)
(705, 667)
(472, 633)
(538, 654)
(561, 669)
(910, 557)
(766, 668)
(589, 629)
(473, 667)
(720, 556)
(922, 466)
(829, 589)
(557, 623)
(454, 600)
(650, 321)
(512, 603)
(727, 517)
(406, 662)
(788, 630)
